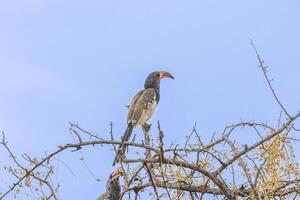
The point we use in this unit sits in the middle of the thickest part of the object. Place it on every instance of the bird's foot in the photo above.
(122, 157)
(147, 127)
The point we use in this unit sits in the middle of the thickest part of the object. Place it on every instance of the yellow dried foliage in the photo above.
(278, 165)
(179, 177)
(203, 164)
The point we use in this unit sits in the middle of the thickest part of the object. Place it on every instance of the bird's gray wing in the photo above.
(132, 107)
(143, 106)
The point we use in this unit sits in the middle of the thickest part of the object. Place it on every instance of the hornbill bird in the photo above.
(142, 107)
(113, 188)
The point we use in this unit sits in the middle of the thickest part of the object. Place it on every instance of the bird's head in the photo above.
(113, 181)
(153, 79)
(116, 174)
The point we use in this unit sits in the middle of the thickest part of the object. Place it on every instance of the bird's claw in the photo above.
(147, 127)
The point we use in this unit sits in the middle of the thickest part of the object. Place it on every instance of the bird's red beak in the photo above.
(164, 74)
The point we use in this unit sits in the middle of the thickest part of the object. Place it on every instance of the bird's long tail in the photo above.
(122, 147)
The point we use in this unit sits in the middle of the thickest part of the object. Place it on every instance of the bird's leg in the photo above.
(149, 166)
(147, 127)
(122, 157)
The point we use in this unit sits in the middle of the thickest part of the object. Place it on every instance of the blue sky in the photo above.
(83, 61)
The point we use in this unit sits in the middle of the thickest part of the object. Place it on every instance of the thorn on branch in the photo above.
(264, 69)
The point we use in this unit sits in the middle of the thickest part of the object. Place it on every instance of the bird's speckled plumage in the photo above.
(142, 106)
